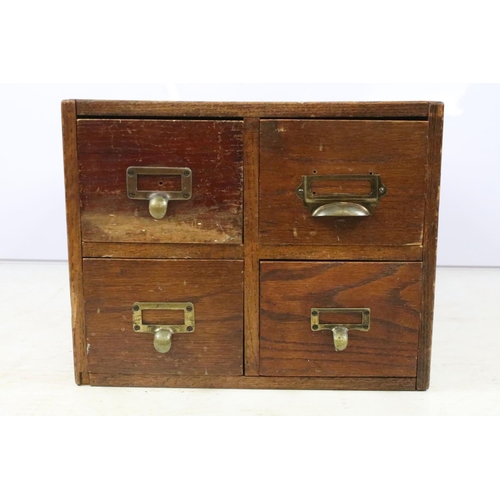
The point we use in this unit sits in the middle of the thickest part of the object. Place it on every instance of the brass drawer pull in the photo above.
(163, 333)
(340, 330)
(341, 204)
(158, 200)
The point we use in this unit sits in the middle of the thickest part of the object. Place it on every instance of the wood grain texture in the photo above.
(215, 288)
(345, 252)
(436, 114)
(251, 231)
(162, 251)
(297, 383)
(212, 149)
(236, 252)
(290, 149)
(254, 109)
(125, 252)
(288, 346)
(68, 110)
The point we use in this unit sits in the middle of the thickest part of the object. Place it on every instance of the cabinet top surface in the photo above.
(418, 110)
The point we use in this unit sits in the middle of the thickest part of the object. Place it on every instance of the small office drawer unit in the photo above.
(252, 245)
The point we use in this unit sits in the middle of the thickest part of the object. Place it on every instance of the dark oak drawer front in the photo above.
(394, 150)
(290, 290)
(214, 288)
(211, 149)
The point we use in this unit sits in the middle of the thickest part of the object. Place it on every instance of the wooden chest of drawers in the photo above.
(252, 245)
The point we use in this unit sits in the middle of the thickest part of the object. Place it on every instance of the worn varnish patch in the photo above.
(213, 150)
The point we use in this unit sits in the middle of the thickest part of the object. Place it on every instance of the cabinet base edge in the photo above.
(315, 383)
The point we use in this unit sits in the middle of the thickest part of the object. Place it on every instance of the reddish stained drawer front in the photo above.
(291, 149)
(288, 292)
(215, 288)
(212, 149)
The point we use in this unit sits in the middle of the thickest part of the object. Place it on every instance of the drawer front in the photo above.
(365, 182)
(291, 293)
(203, 207)
(213, 290)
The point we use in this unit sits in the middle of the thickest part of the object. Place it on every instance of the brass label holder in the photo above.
(341, 204)
(340, 331)
(158, 200)
(163, 333)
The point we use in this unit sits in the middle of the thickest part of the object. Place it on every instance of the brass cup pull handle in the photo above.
(162, 340)
(158, 200)
(340, 331)
(341, 204)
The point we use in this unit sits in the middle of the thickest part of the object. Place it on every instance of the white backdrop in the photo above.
(32, 210)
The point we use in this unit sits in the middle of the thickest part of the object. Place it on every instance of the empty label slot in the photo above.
(162, 317)
(359, 187)
(340, 318)
(157, 183)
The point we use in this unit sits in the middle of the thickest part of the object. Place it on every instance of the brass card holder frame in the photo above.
(340, 330)
(163, 333)
(158, 200)
(341, 204)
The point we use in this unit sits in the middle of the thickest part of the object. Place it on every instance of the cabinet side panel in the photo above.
(436, 113)
(68, 109)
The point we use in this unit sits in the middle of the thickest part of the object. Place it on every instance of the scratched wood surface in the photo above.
(162, 250)
(340, 252)
(217, 382)
(212, 149)
(391, 109)
(290, 149)
(288, 346)
(436, 116)
(251, 211)
(214, 287)
(260, 163)
(68, 115)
